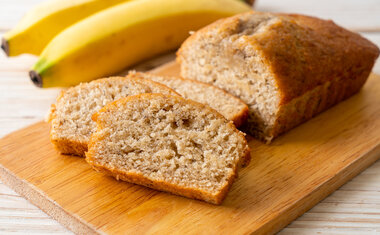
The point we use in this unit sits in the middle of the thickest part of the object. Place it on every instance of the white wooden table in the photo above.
(353, 209)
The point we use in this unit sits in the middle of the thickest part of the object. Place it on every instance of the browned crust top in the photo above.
(300, 51)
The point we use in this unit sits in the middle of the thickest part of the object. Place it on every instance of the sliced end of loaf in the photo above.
(70, 117)
(219, 55)
(170, 144)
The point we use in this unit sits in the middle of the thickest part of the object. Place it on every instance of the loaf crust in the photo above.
(313, 63)
(133, 177)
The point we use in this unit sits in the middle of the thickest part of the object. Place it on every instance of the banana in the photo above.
(46, 20)
(115, 38)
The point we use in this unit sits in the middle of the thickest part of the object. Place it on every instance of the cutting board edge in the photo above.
(45, 203)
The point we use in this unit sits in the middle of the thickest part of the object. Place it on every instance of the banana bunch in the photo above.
(81, 40)
(41, 24)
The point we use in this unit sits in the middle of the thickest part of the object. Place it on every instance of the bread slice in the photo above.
(226, 104)
(287, 68)
(168, 143)
(70, 117)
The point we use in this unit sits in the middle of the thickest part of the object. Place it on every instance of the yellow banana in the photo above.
(42, 23)
(110, 40)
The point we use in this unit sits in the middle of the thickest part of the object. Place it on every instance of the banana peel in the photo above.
(109, 41)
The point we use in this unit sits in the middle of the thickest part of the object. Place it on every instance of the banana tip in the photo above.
(36, 78)
(5, 46)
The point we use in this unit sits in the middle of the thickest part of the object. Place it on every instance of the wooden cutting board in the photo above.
(284, 179)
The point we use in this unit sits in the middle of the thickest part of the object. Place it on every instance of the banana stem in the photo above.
(5, 46)
(36, 78)
(251, 2)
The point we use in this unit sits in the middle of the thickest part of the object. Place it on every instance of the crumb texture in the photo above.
(226, 104)
(286, 68)
(169, 140)
(71, 115)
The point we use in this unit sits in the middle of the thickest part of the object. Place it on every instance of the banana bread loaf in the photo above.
(168, 143)
(286, 67)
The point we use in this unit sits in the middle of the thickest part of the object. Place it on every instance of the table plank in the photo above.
(353, 14)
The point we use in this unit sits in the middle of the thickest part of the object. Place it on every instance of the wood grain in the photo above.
(283, 180)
